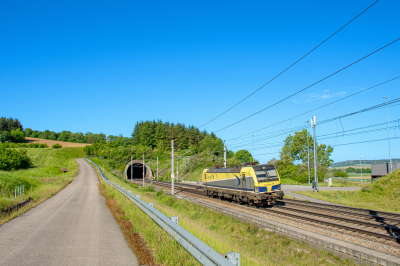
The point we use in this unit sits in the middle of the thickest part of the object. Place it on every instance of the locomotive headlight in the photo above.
(280, 186)
(256, 189)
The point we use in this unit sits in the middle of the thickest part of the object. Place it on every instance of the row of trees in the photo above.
(158, 134)
(294, 157)
(68, 136)
(11, 130)
(8, 124)
(354, 170)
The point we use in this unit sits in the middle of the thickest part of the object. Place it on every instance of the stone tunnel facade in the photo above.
(134, 170)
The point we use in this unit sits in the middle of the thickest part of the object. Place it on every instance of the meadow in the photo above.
(381, 195)
(41, 181)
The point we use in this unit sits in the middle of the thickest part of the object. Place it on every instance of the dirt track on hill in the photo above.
(52, 142)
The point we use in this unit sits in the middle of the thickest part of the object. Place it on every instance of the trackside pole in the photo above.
(131, 168)
(143, 169)
(157, 168)
(172, 165)
(313, 124)
(177, 169)
(224, 154)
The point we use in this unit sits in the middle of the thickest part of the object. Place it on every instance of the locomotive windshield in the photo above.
(266, 175)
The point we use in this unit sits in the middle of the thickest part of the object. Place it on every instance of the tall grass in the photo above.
(41, 181)
(381, 195)
(220, 232)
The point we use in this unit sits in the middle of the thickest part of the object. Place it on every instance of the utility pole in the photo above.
(131, 168)
(143, 168)
(387, 113)
(157, 168)
(308, 154)
(361, 169)
(172, 165)
(224, 154)
(177, 169)
(313, 124)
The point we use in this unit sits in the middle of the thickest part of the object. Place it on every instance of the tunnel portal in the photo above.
(134, 170)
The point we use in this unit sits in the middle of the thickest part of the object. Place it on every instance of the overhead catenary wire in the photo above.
(290, 65)
(312, 110)
(325, 121)
(378, 106)
(290, 96)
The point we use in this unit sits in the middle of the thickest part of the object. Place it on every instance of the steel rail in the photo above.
(348, 228)
(199, 250)
(345, 212)
(379, 226)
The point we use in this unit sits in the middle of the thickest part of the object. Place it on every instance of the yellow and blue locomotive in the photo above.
(252, 184)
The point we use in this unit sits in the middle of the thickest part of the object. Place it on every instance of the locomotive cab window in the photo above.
(266, 175)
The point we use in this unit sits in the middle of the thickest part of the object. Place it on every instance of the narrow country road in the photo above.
(74, 227)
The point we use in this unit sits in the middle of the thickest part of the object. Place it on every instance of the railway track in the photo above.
(368, 224)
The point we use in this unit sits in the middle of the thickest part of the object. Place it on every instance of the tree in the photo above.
(244, 156)
(17, 136)
(295, 150)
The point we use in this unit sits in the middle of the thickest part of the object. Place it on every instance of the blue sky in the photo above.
(96, 66)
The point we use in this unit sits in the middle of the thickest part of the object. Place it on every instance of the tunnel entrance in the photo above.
(134, 170)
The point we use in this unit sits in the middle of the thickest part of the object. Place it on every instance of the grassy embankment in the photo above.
(42, 181)
(221, 232)
(335, 183)
(381, 195)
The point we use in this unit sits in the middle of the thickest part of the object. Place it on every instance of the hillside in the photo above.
(357, 162)
(381, 195)
(52, 142)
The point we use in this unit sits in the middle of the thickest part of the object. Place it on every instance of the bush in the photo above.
(14, 159)
(8, 184)
(56, 146)
(17, 136)
(340, 174)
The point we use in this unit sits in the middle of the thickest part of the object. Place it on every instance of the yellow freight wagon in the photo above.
(254, 184)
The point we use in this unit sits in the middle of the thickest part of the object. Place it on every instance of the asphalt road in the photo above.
(74, 227)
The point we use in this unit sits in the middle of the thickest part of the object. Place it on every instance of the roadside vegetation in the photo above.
(41, 180)
(221, 232)
(196, 150)
(381, 195)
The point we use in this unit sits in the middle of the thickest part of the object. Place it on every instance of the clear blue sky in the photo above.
(97, 66)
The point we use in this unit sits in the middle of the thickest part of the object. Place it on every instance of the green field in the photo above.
(220, 232)
(381, 195)
(41, 181)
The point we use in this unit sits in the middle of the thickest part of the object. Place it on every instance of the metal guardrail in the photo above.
(199, 250)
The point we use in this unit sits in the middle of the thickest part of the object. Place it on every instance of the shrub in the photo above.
(56, 146)
(340, 174)
(14, 159)
(17, 136)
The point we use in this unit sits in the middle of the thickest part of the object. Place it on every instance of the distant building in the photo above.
(382, 169)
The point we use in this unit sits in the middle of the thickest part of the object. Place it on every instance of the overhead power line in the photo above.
(312, 110)
(344, 144)
(390, 103)
(284, 99)
(290, 65)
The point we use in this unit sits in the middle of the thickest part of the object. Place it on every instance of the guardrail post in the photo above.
(233, 257)
(174, 219)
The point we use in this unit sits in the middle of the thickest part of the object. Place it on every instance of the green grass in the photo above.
(41, 181)
(335, 183)
(381, 195)
(220, 232)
